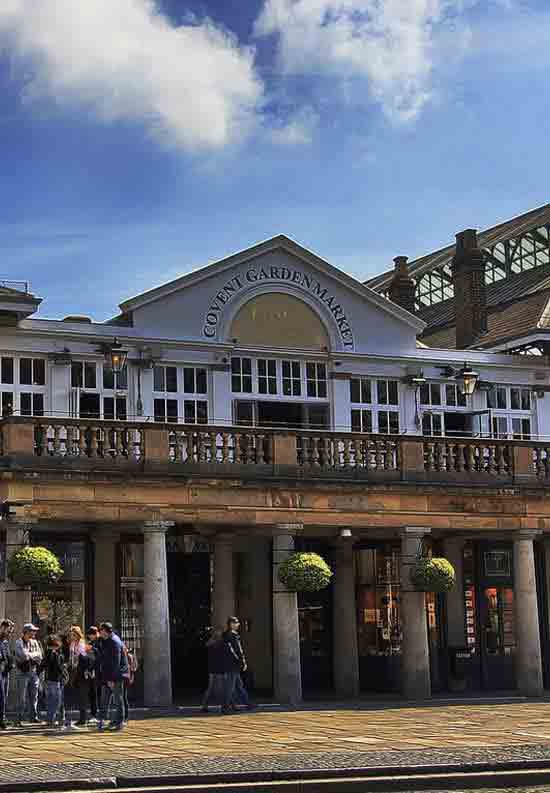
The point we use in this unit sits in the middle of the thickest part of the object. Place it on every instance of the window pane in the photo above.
(7, 403)
(461, 398)
(272, 368)
(367, 420)
(7, 370)
(235, 383)
(189, 380)
(76, 374)
(450, 395)
(122, 379)
(25, 371)
(310, 371)
(425, 394)
(515, 400)
(189, 412)
(171, 410)
(121, 408)
(437, 424)
(39, 371)
(160, 410)
(393, 395)
(355, 390)
(261, 367)
(171, 378)
(26, 405)
(356, 421)
(382, 391)
(202, 412)
(435, 393)
(89, 375)
(492, 398)
(244, 413)
(322, 389)
(426, 424)
(296, 370)
(366, 396)
(383, 422)
(38, 404)
(394, 421)
(158, 378)
(311, 390)
(247, 384)
(287, 386)
(201, 381)
(526, 428)
(247, 365)
(501, 398)
(286, 368)
(108, 408)
(525, 399)
(108, 377)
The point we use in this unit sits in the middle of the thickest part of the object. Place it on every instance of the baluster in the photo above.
(500, 460)
(212, 447)
(356, 450)
(491, 460)
(470, 454)
(429, 458)
(439, 449)
(224, 448)
(315, 453)
(346, 456)
(81, 441)
(379, 455)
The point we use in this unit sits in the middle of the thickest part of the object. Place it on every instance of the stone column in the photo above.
(345, 652)
(287, 673)
(528, 654)
(157, 666)
(223, 605)
(105, 542)
(453, 550)
(415, 659)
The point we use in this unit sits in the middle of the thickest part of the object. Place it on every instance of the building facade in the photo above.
(269, 402)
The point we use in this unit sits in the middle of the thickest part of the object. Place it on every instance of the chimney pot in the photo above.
(402, 286)
(470, 300)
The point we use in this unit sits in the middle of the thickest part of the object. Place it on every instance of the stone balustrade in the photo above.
(34, 442)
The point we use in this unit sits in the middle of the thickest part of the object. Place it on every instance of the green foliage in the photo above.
(305, 572)
(433, 575)
(34, 566)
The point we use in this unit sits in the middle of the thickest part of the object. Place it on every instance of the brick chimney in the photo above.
(402, 286)
(469, 289)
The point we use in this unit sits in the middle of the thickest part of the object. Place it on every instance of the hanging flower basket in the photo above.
(433, 575)
(305, 572)
(34, 566)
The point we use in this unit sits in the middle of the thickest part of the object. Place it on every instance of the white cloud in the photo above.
(297, 130)
(192, 85)
(391, 46)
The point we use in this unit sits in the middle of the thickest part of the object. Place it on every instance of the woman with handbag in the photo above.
(76, 690)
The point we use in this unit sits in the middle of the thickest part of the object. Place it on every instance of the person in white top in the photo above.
(28, 658)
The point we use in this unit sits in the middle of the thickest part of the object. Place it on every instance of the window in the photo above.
(360, 391)
(500, 427)
(166, 410)
(520, 399)
(7, 403)
(432, 424)
(387, 392)
(194, 380)
(83, 374)
(316, 380)
(241, 375)
(267, 376)
(6, 371)
(32, 371)
(388, 422)
(521, 429)
(195, 411)
(115, 381)
(292, 378)
(496, 398)
(165, 378)
(32, 404)
(454, 396)
(114, 408)
(361, 420)
(430, 394)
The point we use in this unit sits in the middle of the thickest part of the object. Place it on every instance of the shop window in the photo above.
(32, 404)
(378, 601)
(316, 380)
(195, 411)
(432, 424)
(131, 596)
(7, 403)
(58, 606)
(83, 374)
(166, 410)
(361, 421)
(241, 375)
(360, 391)
(387, 392)
(165, 378)
(114, 408)
(388, 422)
(430, 394)
(32, 371)
(115, 381)
(292, 378)
(454, 396)
(498, 622)
(6, 371)
(267, 376)
(194, 380)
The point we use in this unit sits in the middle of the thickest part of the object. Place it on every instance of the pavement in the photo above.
(270, 744)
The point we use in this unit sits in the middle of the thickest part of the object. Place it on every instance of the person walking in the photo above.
(236, 661)
(128, 679)
(113, 667)
(56, 675)
(6, 665)
(28, 659)
(76, 689)
(218, 666)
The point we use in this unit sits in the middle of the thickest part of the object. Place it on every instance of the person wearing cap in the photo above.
(28, 660)
(6, 629)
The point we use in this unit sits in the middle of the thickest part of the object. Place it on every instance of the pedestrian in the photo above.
(56, 675)
(6, 664)
(128, 679)
(76, 689)
(218, 666)
(113, 667)
(91, 671)
(236, 666)
(28, 659)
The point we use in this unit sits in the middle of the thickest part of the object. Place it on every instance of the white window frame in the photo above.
(370, 386)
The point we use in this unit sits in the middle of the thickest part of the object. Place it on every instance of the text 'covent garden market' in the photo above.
(174, 456)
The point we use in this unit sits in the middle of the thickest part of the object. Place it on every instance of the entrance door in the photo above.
(189, 601)
(496, 628)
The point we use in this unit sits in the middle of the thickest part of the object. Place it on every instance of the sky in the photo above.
(141, 140)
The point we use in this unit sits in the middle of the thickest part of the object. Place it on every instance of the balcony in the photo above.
(38, 444)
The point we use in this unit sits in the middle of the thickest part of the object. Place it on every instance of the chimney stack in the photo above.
(402, 286)
(468, 269)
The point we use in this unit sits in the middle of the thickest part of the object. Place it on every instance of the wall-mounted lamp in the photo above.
(115, 355)
(466, 378)
(345, 534)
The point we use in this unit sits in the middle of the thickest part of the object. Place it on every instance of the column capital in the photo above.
(288, 528)
(527, 534)
(157, 526)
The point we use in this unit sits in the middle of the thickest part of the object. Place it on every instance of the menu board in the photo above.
(469, 610)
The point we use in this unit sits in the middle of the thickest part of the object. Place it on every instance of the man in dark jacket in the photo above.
(6, 664)
(236, 665)
(112, 668)
(218, 664)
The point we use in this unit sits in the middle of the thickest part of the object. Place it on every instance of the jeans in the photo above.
(76, 696)
(112, 697)
(26, 686)
(92, 697)
(125, 701)
(54, 700)
(216, 683)
(4, 688)
(235, 689)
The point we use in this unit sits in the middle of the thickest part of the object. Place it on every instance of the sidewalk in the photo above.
(271, 743)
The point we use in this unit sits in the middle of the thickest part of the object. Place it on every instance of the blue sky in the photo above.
(140, 142)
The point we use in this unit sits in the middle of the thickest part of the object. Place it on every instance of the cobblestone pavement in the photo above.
(267, 741)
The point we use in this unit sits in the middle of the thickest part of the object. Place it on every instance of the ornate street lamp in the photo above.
(467, 379)
(116, 357)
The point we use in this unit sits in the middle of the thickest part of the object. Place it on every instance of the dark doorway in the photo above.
(280, 414)
(458, 425)
(189, 597)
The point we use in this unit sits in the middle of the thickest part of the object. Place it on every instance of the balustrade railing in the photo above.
(219, 446)
(88, 439)
(347, 452)
(468, 456)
